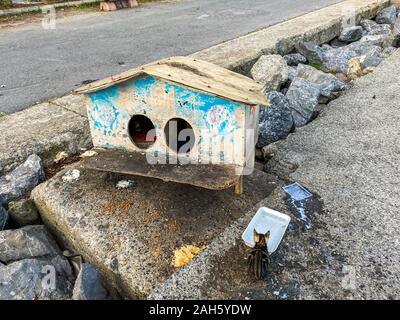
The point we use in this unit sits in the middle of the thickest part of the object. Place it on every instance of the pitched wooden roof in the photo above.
(193, 73)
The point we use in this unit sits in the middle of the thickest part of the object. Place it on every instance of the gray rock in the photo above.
(312, 51)
(31, 279)
(292, 73)
(337, 59)
(372, 59)
(27, 242)
(387, 52)
(351, 34)
(88, 284)
(294, 59)
(326, 47)
(381, 29)
(373, 28)
(4, 218)
(336, 43)
(382, 40)
(303, 100)
(326, 82)
(276, 121)
(368, 24)
(271, 71)
(23, 212)
(387, 15)
(22, 179)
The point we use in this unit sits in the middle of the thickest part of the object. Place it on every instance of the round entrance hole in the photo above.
(142, 131)
(179, 135)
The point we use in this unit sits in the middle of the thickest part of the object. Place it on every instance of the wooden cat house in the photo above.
(178, 119)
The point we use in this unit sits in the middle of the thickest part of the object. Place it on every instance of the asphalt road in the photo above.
(37, 64)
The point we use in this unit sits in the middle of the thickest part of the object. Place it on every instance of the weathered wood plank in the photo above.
(195, 74)
(209, 176)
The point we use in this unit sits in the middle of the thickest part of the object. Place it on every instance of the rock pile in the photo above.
(31, 263)
(34, 268)
(301, 83)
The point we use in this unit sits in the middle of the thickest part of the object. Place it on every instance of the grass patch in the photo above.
(62, 9)
(83, 7)
(316, 65)
(5, 4)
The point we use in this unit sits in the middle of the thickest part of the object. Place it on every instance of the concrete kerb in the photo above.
(320, 26)
(238, 54)
(44, 129)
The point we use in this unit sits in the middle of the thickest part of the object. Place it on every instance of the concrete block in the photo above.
(130, 235)
(44, 129)
(72, 102)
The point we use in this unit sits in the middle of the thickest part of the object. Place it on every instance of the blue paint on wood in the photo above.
(104, 113)
(202, 110)
(143, 86)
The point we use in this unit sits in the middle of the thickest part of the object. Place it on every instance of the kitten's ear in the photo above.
(256, 236)
(267, 234)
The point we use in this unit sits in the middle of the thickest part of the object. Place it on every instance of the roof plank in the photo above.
(193, 73)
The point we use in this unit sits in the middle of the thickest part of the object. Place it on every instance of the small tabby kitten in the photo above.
(258, 259)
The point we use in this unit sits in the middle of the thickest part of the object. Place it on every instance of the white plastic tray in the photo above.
(267, 220)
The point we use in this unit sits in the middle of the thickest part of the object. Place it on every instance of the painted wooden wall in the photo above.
(215, 121)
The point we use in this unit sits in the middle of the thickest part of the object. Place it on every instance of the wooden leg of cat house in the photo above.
(239, 186)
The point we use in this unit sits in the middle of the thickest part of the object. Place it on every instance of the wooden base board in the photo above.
(209, 176)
